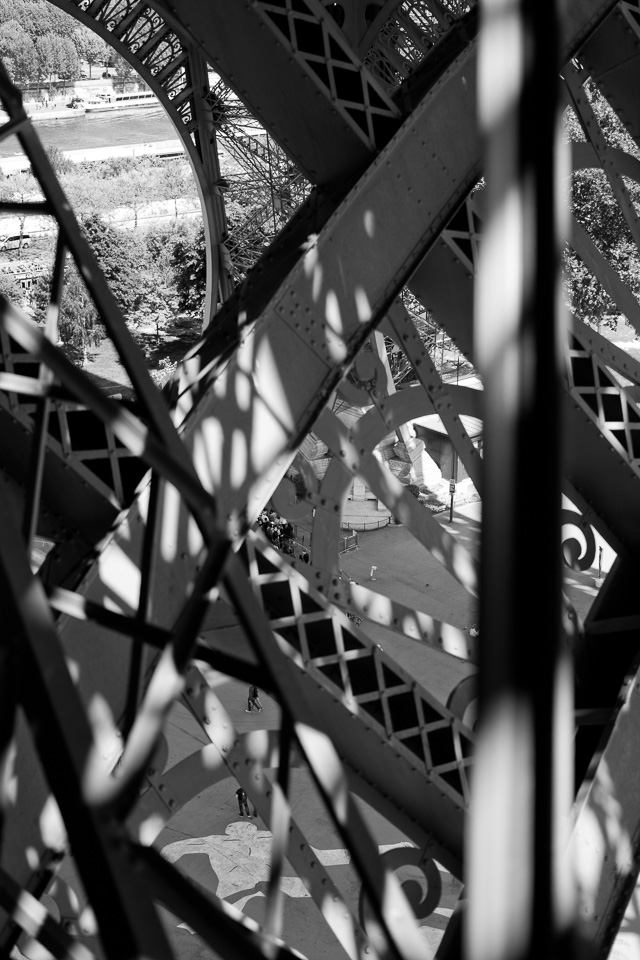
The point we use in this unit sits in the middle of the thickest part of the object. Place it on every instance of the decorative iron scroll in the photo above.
(578, 552)
(421, 882)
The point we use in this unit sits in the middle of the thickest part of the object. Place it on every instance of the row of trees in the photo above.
(158, 275)
(124, 182)
(143, 274)
(103, 188)
(39, 42)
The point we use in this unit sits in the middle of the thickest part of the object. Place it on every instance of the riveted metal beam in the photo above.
(267, 389)
(301, 47)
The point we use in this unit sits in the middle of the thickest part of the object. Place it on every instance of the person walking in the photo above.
(253, 700)
(372, 573)
(243, 802)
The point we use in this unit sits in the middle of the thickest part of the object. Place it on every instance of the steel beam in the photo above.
(269, 392)
(605, 841)
(298, 46)
(610, 57)
(519, 893)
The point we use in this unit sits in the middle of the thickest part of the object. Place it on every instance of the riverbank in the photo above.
(59, 109)
(161, 148)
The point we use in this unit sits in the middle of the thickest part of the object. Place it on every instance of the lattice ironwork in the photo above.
(159, 53)
(604, 400)
(129, 919)
(406, 38)
(248, 394)
(317, 41)
(265, 180)
(343, 659)
(74, 434)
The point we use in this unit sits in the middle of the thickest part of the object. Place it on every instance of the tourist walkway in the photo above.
(228, 854)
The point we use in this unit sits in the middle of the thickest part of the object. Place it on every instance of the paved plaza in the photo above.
(228, 855)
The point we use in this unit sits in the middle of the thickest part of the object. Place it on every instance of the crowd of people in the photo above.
(282, 534)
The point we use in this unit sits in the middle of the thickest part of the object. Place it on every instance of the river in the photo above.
(99, 130)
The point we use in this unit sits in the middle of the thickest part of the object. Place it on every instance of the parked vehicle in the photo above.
(106, 75)
(13, 242)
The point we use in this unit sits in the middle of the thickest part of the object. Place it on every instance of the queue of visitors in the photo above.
(282, 535)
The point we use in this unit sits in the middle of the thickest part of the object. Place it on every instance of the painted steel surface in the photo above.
(249, 397)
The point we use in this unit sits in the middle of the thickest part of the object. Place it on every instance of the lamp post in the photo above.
(453, 481)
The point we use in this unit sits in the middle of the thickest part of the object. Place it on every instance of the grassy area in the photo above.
(161, 351)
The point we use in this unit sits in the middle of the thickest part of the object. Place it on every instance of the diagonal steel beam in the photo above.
(128, 922)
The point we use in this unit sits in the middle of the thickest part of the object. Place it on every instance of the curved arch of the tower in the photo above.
(158, 592)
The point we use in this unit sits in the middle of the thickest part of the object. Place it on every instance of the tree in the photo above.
(123, 70)
(88, 193)
(10, 288)
(176, 182)
(18, 52)
(138, 187)
(60, 163)
(38, 18)
(21, 188)
(90, 47)
(57, 55)
(121, 258)
(154, 306)
(190, 271)
(79, 327)
(124, 263)
(69, 65)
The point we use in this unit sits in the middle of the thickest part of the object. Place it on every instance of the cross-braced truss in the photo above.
(156, 584)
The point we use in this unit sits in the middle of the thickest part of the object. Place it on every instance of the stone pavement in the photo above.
(405, 568)
(229, 855)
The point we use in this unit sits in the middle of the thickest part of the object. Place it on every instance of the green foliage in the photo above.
(60, 163)
(37, 40)
(79, 327)
(160, 241)
(56, 55)
(18, 52)
(123, 69)
(87, 193)
(175, 181)
(20, 187)
(137, 186)
(119, 257)
(190, 272)
(37, 17)
(10, 288)
(597, 210)
(90, 47)
(126, 182)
